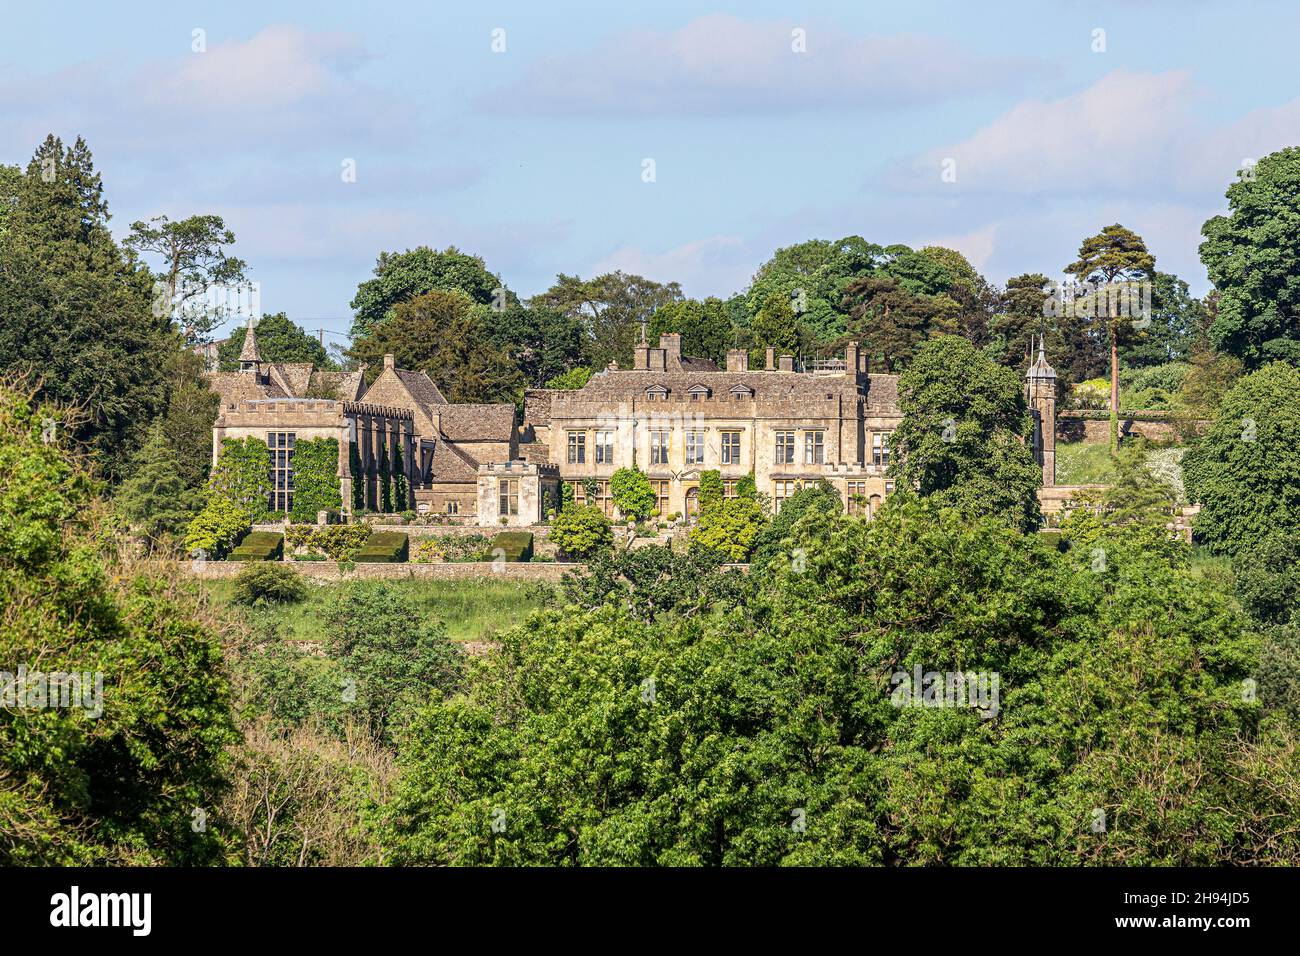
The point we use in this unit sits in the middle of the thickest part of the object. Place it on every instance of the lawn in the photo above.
(1084, 463)
(472, 609)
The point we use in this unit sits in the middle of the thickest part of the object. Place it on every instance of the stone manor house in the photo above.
(672, 416)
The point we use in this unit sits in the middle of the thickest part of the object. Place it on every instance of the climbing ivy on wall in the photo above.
(242, 476)
(315, 478)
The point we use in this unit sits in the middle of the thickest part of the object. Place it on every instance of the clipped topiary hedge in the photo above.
(259, 546)
(515, 545)
(385, 547)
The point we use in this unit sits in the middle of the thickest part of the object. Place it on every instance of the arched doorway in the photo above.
(692, 502)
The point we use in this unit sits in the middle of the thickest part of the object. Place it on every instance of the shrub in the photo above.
(454, 547)
(515, 545)
(268, 584)
(385, 547)
(581, 531)
(259, 546)
(334, 541)
(428, 551)
(747, 487)
(315, 478)
(730, 528)
(632, 494)
(216, 529)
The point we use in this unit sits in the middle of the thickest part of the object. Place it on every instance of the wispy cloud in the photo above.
(720, 64)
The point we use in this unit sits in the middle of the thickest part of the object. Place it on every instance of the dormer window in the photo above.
(742, 392)
(656, 393)
(698, 392)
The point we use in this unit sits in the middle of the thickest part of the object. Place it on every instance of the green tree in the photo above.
(279, 340)
(193, 258)
(813, 276)
(1252, 256)
(389, 650)
(1177, 318)
(580, 531)
(964, 436)
(77, 316)
(541, 344)
(776, 326)
(156, 500)
(696, 738)
(191, 412)
(1245, 472)
(108, 772)
(632, 494)
(402, 276)
(656, 581)
(1113, 255)
(574, 378)
(776, 538)
(705, 327)
(443, 335)
(609, 308)
(729, 528)
(891, 322)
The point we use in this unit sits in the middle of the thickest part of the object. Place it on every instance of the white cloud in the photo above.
(718, 265)
(722, 65)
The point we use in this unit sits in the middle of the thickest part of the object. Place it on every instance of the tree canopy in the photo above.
(1252, 256)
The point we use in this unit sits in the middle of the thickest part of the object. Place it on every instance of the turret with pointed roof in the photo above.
(250, 357)
(1040, 393)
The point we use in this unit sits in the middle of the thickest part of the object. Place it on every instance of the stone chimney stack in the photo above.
(641, 357)
(388, 362)
(737, 360)
(771, 359)
(852, 359)
(671, 343)
(787, 363)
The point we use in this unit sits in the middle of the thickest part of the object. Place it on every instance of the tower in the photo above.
(1040, 393)
(250, 357)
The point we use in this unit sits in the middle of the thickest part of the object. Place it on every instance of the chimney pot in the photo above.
(771, 359)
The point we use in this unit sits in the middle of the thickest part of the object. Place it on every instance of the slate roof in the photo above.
(451, 464)
(476, 422)
(421, 387)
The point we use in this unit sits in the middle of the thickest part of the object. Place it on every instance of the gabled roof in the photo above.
(420, 386)
(296, 375)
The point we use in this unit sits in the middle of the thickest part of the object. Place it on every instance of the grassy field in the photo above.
(472, 610)
(1081, 463)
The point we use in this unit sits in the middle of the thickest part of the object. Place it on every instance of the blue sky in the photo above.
(533, 157)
